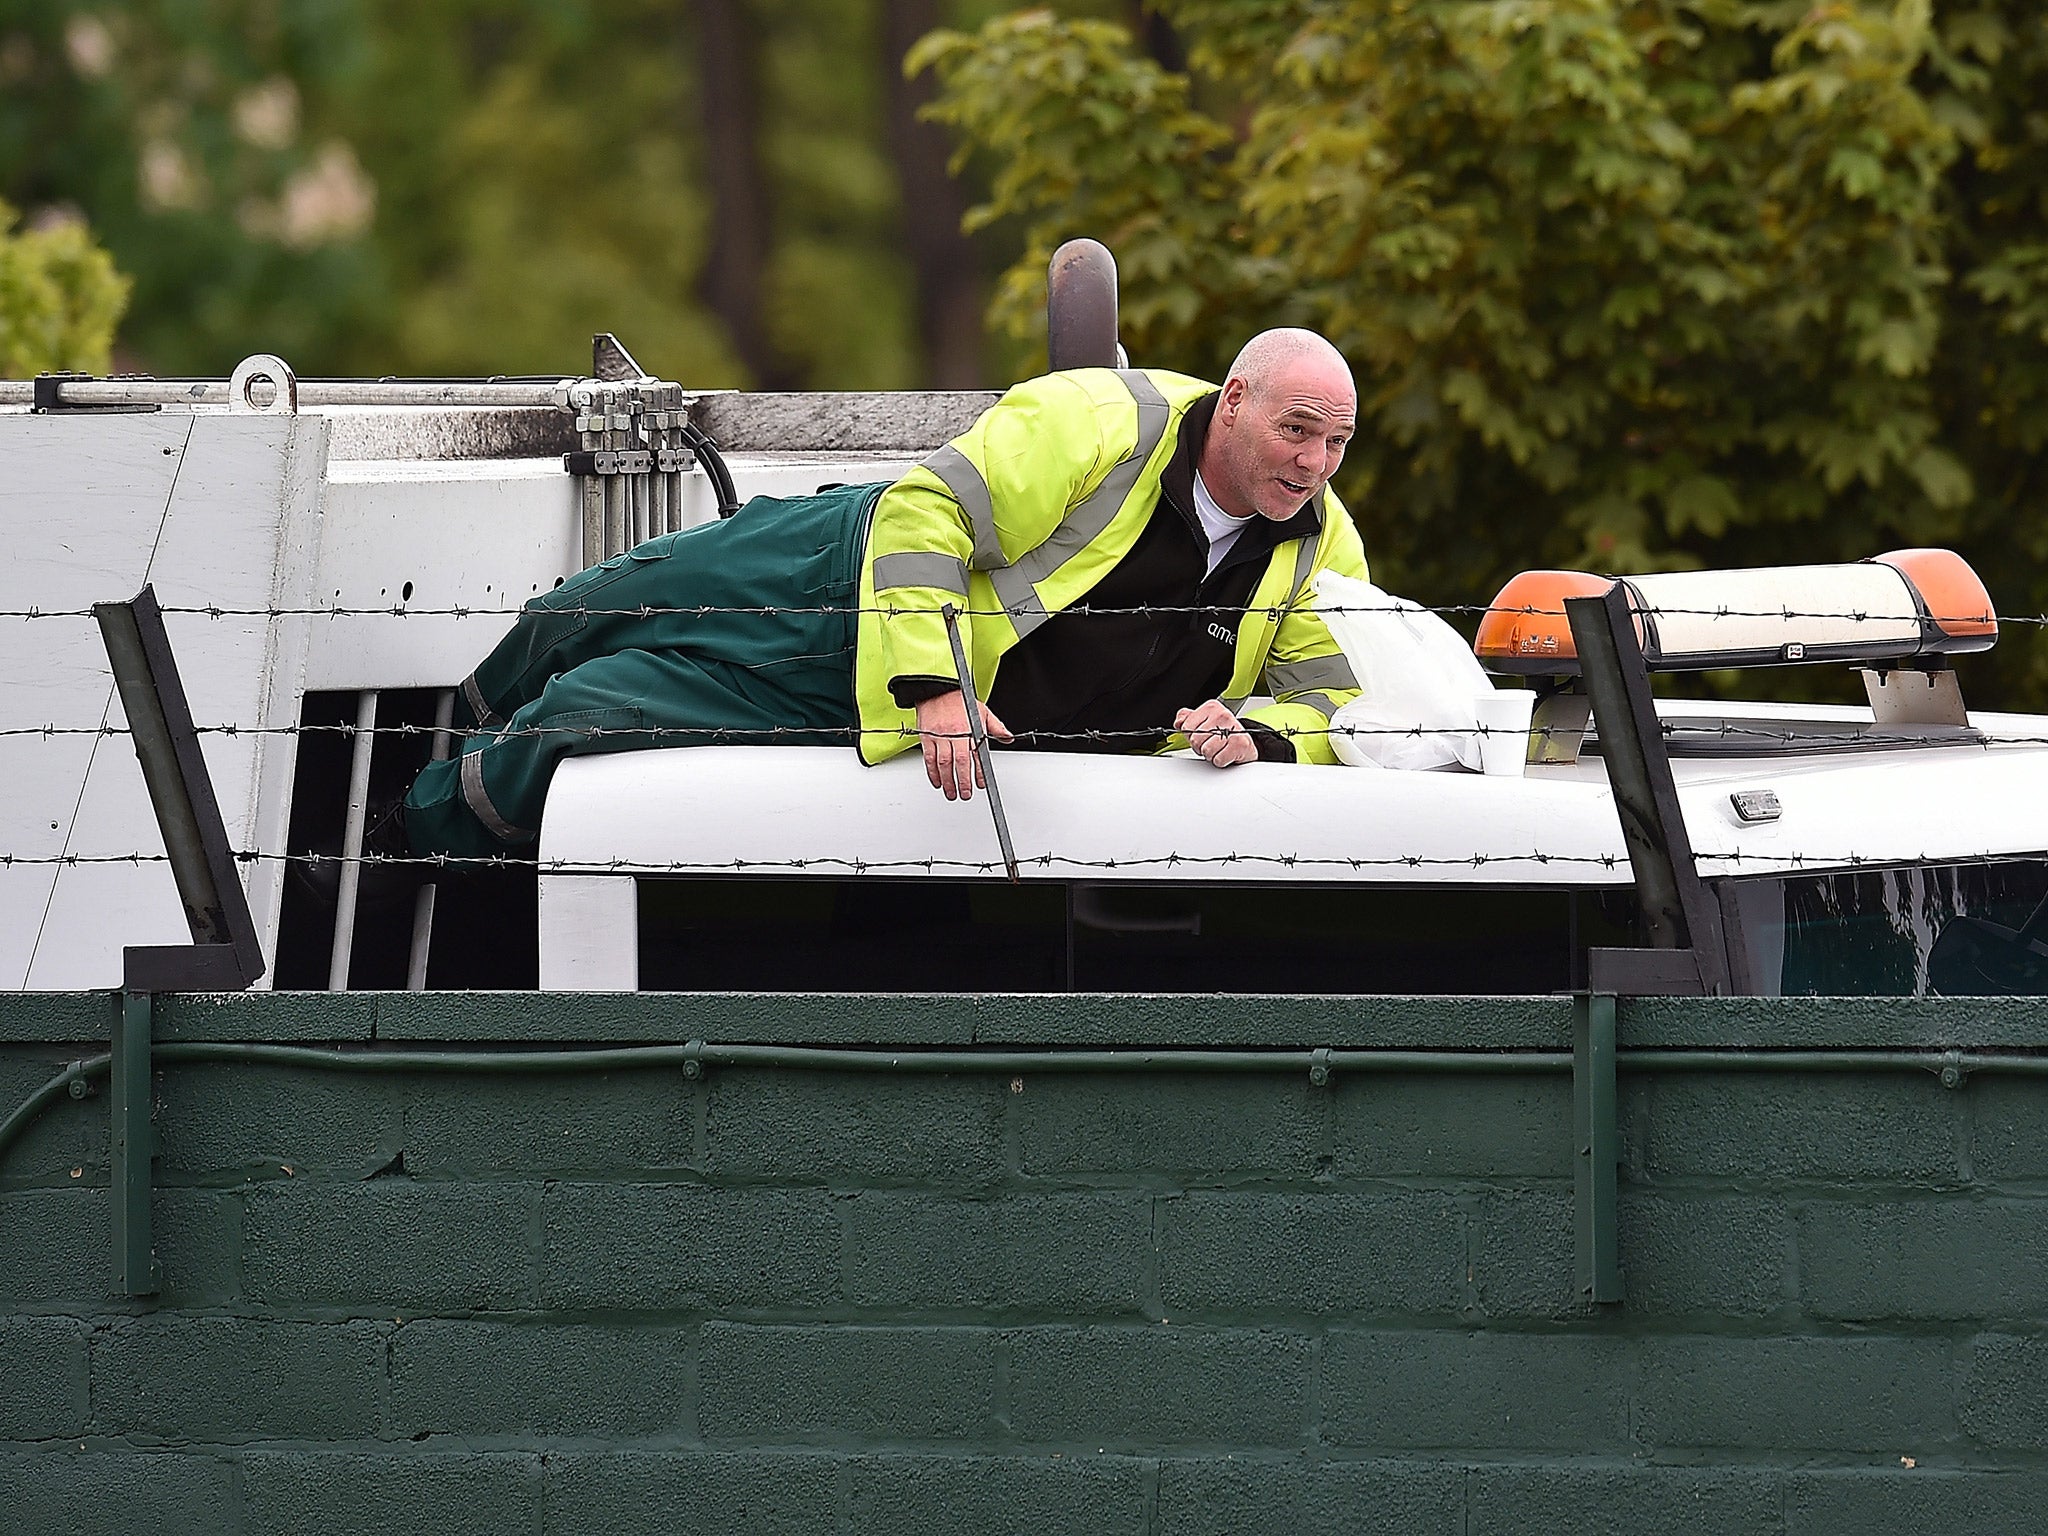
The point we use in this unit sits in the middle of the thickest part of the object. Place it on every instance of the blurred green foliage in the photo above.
(1626, 285)
(468, 186)
(60, 299)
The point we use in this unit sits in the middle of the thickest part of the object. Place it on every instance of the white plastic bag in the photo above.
(1418, 675)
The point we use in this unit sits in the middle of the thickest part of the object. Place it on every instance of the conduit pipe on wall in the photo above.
(1951, 1067)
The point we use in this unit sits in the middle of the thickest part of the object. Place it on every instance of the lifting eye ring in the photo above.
(263, 385)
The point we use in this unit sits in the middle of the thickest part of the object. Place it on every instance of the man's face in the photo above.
(1279, 447)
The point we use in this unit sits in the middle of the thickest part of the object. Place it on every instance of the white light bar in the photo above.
(1910, 603)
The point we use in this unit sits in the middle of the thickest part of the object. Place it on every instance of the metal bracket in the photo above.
(1557, 726)
(136, 1271)
(1596, 1140)
(46, 398)
(225, 954)
(1691, 953)
(1927, 695)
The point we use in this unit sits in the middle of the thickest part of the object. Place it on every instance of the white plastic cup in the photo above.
(1504, 716)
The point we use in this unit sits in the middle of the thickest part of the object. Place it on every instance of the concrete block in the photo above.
(60, 1248)
(831, 1384)
(1747, 1126)
(315, 1493)
(1881, 1501)
(57, 1245)
(1442, 1388)
(541, 1379)
(1886, 1396)
(839, 1127)
(687, 1246)
(234, 1379)
(257, 1121)
(75, 1018)
(2004, 1403)
(67, 1134)
(43, 1387)
(601, 1123)
(1706, 1255)
(1525, 1260)
(661, 1493)
(2009, 1129)
(1066, 1254)
(1017, 1495)
(1110, 1388)
(307, 1018)
(1231, 1495)
(1203, 1128)
(1602, 1499)
(397, 1244)
(1457, 1126)
(64, 1489)
(1925, 1259)
(1320, 1252)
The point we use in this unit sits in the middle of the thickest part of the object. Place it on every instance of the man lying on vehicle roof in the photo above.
(1074, 526)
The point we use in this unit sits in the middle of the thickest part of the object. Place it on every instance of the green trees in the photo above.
(60, 299)
(1626, 284)
(740, 188)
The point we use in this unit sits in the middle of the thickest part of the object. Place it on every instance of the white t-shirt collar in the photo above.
(1221, 528)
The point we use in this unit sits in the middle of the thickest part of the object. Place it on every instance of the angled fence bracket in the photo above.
(1695, 948)
(225, 954)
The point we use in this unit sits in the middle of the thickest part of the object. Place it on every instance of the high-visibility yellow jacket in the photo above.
(1021, 515)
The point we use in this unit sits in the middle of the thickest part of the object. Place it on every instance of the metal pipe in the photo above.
(1952, 1067)
(423, 901)
(614, 499)
(352, 842)
(657, 482)
(91, 392)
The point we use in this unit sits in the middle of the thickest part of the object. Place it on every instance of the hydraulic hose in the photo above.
(713, 461)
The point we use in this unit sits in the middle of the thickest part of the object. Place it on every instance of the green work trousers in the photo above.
(619, 656)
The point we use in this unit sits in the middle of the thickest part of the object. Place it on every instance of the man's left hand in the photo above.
(1214, 733)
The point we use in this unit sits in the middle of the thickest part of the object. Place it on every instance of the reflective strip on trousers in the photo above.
(1316, 672)
(480, 803)
(920, 568)
(1017, 585)
(971, 491)
(474, 697)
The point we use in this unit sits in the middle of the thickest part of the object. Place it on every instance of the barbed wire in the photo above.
(1820, 863)
(1821, 733)
(889, 610)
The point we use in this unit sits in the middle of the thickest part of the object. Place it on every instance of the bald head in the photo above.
(1282, 421)
(1272, 357)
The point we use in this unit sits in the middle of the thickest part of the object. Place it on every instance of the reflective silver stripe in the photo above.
(1236, 706)
(485, 715)
(1304, 563)
(1018, 585)
(480, 803)
(921, 568)
(1321, 703)
(1317, 672)
(971, 491)
(1020, 600)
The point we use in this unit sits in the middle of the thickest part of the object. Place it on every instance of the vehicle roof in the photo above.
(814, 811)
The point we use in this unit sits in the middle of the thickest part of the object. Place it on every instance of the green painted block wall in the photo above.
(1157, 1303)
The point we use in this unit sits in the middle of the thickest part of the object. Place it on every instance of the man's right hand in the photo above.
(949, 746)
